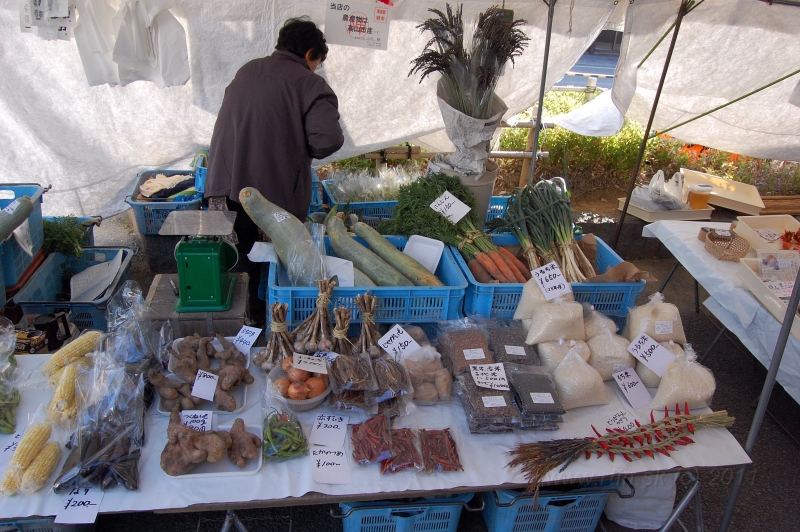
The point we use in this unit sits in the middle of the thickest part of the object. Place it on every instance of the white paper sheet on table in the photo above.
(92, 282)
(263, 252)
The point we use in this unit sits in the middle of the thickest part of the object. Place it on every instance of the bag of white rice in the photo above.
(526, 324)
(596, 322)
(552, 353)
(685, 381)
(578, 384)
(649, 377)
(608, 350)
(560, 319)
(531, 298)
(661, 321)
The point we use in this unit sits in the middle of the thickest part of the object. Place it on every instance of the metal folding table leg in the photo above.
(692, 494)
(713, 344)
(669, 276)
(231, 519)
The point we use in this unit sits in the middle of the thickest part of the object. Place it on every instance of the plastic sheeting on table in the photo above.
(484, 458)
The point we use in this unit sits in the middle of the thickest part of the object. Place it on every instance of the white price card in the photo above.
(633, 388)
(516, 350)
(314, 364)
(80, 506)
(245, 339)
(652, 355)
(542, 398)
(11, 207)
(329, 430)
(491, 376)
(494, 401)
(200, 420)
(8, 445)
(665, 327)
(621, 420)
(450, 206)
(205, 385)
(329, 466)
(281, 216)
(474, 354)
(551, 281)
(330, 355)
(398, 342)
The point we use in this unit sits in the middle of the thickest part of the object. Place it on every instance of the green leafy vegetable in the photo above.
(65, 235)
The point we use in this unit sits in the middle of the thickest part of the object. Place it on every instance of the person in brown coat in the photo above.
(277, 115)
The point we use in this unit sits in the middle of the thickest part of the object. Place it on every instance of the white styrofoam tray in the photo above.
(225, 467)
(746, 227)
(217, 345)
(739, 197)
(748, 273)
(655, 216)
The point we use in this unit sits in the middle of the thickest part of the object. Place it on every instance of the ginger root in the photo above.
(187, 447)
(172, 392)
(230, 376)
(245, 446)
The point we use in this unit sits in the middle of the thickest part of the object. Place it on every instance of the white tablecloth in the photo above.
(731, 302)
(483, 456)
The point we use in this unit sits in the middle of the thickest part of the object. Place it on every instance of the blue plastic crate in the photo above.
(413, 304)
(150, 215)
(15, 259)
(500, 300)
(497, 207)
(39, 295)
(577, 510)
(439, 514)
(42, 525)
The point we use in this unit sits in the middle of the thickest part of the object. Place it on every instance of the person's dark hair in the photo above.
(299, 35)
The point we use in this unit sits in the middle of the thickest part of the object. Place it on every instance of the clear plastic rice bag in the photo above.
(595, 322)
(609, 350)
(579, 384)
(531, 298)
(685, 381)
(661, 321)
(649, 377)
(552, 353)
(560, 319)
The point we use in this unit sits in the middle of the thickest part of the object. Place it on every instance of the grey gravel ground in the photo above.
(766, 503)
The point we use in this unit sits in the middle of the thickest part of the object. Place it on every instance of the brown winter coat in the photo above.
(276, 116)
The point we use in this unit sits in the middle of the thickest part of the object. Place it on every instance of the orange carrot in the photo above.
(518, 277)
(502, 266)
(490, 267)
(479, 272)
(526, 273)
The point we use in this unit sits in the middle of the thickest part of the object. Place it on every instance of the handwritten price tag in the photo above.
(314, 364)
(7, 446)
(329, 466)
(621, 420)
(491, 376)
(245, 339)
(450, 206)
(80, 506)
(205, 385)
(631, 385)
(201, 420)
(11, 207)
(652, 355)
(329, 430)
(330, 355)
(551, 281)
(398, 342)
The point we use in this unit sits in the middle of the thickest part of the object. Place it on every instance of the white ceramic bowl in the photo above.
(300, 405)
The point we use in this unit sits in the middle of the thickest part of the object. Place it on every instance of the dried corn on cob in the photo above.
(65, 391)
(10, 484)
(29, 446)
(41, 468)
(81, 362)
(81, 346)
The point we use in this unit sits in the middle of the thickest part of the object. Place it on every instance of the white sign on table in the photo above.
(491, 376)
(329, 466)
(245, 339)
(329, 430)
(311, 363)
(551, 281)
(205, 385)
(358, 24)
(398, 342)
(632, 387)
(80, 506)
(450, 206)
(200, 420)
(621, 420)
(651, 353)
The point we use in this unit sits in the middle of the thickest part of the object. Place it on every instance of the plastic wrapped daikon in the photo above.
(649, 377)
(685, 381)
(609, 350)
(595, 322)
(579, 384)
(661, 321)
(559, 319)
(552, 353)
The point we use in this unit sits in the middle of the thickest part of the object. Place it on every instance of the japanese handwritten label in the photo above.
(80, 506)
(489, 376)
(398, 342)
(474, 354)
(631, 385)
(494, 401)
(313, 364)
(281, 216)
(11, 207)
(359, 24)
(516, 350)
(200, 420)
(9, 444)
(329, 430)
(652, 355)
(551, 281)
(329, 466)
(450, 206)
(205, 385)
(621, 420)
(542, 398)
(782, 289)
(245, 339)
(330, 355)
(767, 234)
(665, 327)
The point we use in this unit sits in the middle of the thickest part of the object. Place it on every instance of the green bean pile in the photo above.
(283, 437)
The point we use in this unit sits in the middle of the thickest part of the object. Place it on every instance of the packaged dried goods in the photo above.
(609, 350)
(552, 353)
(487, 410)
(372, 440)
(560, 319)
(439, 453)
(659, 320)
(407, 456)
(391, 378)
(508, 345)
(462, 344)
(535, 395)
(579, 384)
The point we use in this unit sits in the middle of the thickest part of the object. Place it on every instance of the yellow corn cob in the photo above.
(81, 362)
(29, 446)
(65, 391)
(70, 413)
(79, 347)
(41, 468)
(10, 484)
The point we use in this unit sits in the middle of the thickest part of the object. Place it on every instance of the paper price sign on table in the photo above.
(80, 506)
(652, 355)
(330, 355)
(491, 376)
(329, 430)
(246, 338)
(551, 281)
(397, 342)
(329, 466)
(621, 420)
(200, 420)
(633, 388)
(450, 206)
(314, 364)
(205, 385)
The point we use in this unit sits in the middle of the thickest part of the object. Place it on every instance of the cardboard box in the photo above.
(162, 301)
(739, 197)
(654, 216)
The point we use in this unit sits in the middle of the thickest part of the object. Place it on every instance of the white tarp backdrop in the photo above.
(89, 142)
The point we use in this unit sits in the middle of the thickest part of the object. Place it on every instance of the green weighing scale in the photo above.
(204, 259)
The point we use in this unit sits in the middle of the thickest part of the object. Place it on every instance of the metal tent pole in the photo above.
(551, 5)
(681, 12)
(763, 401)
